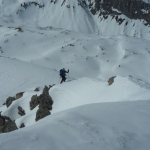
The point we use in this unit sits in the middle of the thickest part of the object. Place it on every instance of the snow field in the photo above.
(84, 54)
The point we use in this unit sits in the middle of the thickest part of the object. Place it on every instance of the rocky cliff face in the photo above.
(133, 9)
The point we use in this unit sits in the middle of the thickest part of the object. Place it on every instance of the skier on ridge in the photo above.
(63, 75)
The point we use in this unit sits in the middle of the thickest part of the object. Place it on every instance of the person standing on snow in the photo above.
(63, 75)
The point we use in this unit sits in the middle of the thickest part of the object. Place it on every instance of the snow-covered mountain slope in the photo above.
(39, 38)
(73, 15)
(62, 14)
(33, 57)
(87, 55)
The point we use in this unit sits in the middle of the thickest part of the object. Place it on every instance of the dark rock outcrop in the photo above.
(50, 86)
(133, 9)
(19, 95)
(9, 101)
(21, 112)
(28, 4)
(9, 126)
(111, 80)
(22, 125)
(34, 102)
(19, 29)
(6, 124)
(42, 112)
(45, 104)
(43, 100)
(2, 120)
(37, 89)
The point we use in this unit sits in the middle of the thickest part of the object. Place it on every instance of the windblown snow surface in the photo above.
(87, 112)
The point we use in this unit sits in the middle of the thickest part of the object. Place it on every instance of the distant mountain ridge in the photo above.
(133, 9)
(109, 17)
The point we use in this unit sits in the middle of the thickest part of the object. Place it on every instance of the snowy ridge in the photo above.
(86, 91)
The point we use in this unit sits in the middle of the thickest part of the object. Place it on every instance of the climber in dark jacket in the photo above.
(63, 75)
